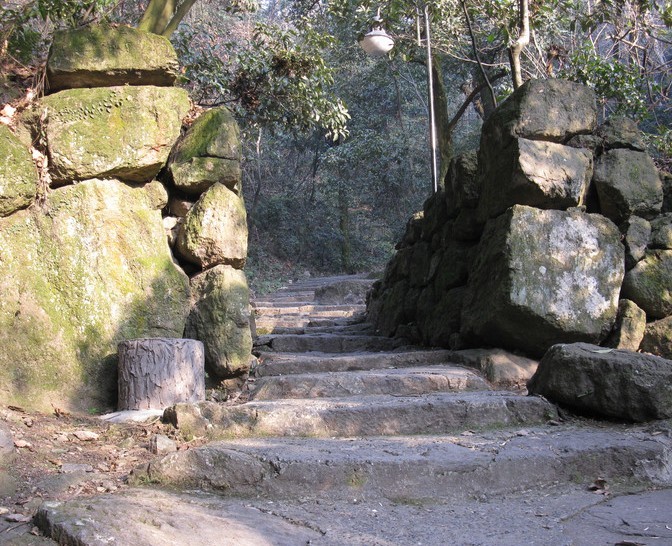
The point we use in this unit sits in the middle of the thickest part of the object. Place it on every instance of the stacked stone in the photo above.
(522, 248)
(84, 262)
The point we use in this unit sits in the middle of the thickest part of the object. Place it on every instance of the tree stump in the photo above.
(155, 373)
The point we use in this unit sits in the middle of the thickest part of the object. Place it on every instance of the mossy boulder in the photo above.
(661, 232)
(91, 269)
(542, 277)
(627, 184)
(636, 236)
(214, 231)
(209, 152)
(105, 56)
(649, 284)
(629, 328)
(117, 132)
(658, 338)
(18, 176)
(220, 318)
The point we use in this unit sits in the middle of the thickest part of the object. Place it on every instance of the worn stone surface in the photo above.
(214, 231)
(543, 277)
(627, 184)
(116, 132)
(7, 451)
(18, 176)
(606, 382)
(535, 173)
(463, 189)
(636, 236)
(553, 110)
(661, 232)
(74, 282)
(620, 132)
(220, 318)
(501, 368)
(106, 55)
(658, 338)
(197, 174)
(343, 292)
(629, 327)
(649, 284)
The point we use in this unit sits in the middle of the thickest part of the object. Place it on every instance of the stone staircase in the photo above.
(352, 438)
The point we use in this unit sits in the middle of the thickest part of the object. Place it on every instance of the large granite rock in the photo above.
(620, 132)
(606, 382)
(18, 176)
(209, 152)
(220, 318)
(105, 55)
(214, 231)
(117, 132)
(658, 338)
(649, 284)
(543, 277)
(627, 184)
(535, 173)
(91, 269)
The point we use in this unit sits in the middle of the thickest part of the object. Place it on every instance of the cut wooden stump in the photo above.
(155, 373)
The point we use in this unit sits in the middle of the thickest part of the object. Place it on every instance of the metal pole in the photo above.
(432, 115)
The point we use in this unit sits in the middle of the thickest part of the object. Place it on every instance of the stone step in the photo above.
(400, 382)
(310, 309)
(436, 413)
(420, 469)
(327, 343)
(350, 327)
(271, 363)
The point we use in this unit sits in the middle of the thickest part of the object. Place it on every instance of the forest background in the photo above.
(336, 152)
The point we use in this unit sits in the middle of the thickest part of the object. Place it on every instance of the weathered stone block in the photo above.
(627, 184)
(649, 284)
(117, 132)
(658, 338)
(636, 236)
(438, 315)
(18, 176)
(464, 190)
(628, 330)
(209, 152)
(607, 382)
(620, 132)
(535, 173)
(661, 232)
(105, 56)
(214, 231)
(74, 283)
(220, 318)
(542, 277)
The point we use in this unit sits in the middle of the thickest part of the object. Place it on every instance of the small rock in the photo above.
(85, 435)
(3, 510)
(160, 444)
(69, 468)
(18, 518)
(22, 444)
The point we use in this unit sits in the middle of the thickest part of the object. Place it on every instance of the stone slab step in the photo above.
(417, 469)
(327, 343)
(356, 328)
(435, 413)
(272, 363)
(316, 311)
(399, 382)
(558, 515)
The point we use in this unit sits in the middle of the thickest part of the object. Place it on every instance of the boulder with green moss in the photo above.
(18, 176)
(649, 284)
(214, 231)
(209, 152)
(658, 338)
(116, 132)
(90, 269)
(220, 318)
(105, 55)
(542, 277)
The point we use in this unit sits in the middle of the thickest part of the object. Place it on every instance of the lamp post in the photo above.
(377, 43)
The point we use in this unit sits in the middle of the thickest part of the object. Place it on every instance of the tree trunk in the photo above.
(155, 373)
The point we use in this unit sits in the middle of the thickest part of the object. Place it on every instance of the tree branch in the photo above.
(476, 55)
(460, 112)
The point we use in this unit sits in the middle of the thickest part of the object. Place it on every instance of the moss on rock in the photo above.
(18, 176)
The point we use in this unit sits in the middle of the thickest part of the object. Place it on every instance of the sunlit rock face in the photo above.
(534, 238)
(542, 277)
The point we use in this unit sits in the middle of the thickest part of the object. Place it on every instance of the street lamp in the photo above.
(377, 43)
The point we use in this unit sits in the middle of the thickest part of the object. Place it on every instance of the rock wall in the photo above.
(555, 231)
(86, 259)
